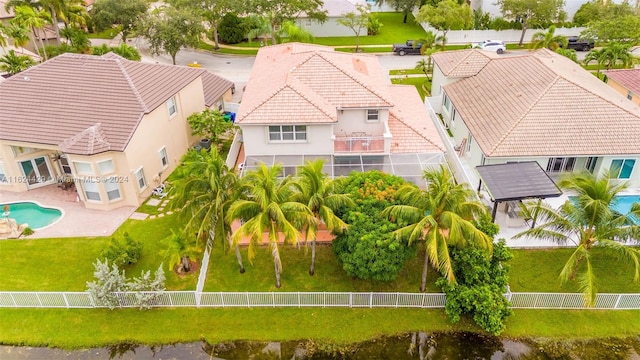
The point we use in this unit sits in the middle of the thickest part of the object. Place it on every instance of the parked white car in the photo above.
(491, 45)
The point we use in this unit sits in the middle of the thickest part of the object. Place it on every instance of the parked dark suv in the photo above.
(576, 43)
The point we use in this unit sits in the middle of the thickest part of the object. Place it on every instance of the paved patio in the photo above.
(76, 220)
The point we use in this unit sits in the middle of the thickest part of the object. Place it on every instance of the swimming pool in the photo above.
(622, 204)
(33, 214)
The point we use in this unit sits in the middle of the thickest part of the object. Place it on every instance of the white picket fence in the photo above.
(311, 299)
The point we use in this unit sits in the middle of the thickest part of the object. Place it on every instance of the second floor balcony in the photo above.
(359, 143)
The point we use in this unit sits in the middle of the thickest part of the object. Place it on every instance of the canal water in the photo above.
(421, 346)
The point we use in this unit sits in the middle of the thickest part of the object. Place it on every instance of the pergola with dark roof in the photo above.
(516, 181)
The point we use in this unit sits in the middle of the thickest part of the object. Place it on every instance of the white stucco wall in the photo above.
(350, 121)
(331, 27)
(256, 141)
(439, 81)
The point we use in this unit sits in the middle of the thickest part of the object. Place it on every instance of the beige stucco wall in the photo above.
(11, 164)
(439, 81)
(157, 130)
(623, 90)
(354, 120)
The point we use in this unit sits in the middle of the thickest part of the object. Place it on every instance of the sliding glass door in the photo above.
(36, 171)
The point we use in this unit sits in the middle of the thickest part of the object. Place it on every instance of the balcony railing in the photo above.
(358, 144)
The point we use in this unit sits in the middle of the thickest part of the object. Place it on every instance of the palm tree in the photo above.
(569, 53)
(13, 63)
(30, 18)
(441, 216)
(258, 26)
(3, 37)
(178, 251)
(269, 208)
(205, 189)
(320, 195)
(19, 34)
(293, 32)
(615, 53)
(587, 222)
(548, 40)
(595, 55)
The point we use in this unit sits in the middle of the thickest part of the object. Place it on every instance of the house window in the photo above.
(3, 175)
(112, 188)
(288, 133)
(622, 168)
(590, 165)
(469, 142)
(163, 157)
(447, 103)
(83, 168)
(91, 190)
(64, 163)
(219, 105)
(171, 106)
(106, 167)
(373, 115)
(142, 183)
(561, 164)
(629, 95)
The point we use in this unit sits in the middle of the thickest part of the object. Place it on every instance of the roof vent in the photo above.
(26, 78)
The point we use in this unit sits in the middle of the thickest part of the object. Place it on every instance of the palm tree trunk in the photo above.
(274, 41)
(239, 258)
(276, 262)
(54, 20)
(425, 269)
(312, 268)
(185, 264)
(524, 29)
(44, 50)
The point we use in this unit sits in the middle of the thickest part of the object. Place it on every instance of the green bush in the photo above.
(27, 231)
(499, 24)
(481, 284)
(369, 249)
(230, 30)
(124, 251)
(373, 25)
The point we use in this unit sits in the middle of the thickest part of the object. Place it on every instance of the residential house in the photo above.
(114, 128)
(47, 34)
(335, 9)
(538, 106)
(304, 102)
(626, 82)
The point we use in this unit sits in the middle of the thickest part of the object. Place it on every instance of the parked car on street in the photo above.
(491, 45)
(410, 47)
(576, 43)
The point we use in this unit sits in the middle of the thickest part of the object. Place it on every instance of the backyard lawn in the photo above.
(223, 273)
(67, 264)
(422, 85)
(538, 271)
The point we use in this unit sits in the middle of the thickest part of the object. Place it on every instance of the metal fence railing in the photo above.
(309, 299)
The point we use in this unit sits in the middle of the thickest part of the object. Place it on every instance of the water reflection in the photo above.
(417, 345)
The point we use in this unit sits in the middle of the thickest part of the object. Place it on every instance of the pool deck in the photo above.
(77, 220)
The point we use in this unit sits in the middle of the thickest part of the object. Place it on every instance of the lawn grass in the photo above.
(538, 271)
(66, 264)
(422, 85)
(85, 328)
(393, 31)
(406, 71)
(223, 274)
(366, 50)
(105, 34)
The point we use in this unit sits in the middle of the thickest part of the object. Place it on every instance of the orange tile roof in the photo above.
(311, 74)
(628, 78)
(543, 104)
(462, 63)
(83, 102)
(410, 123)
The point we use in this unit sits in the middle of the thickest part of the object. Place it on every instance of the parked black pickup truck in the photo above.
(575, 43)
(410, 47)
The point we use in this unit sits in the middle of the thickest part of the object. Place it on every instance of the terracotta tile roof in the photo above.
(462, 63)
(410, 124)
(629, 78)
(214, 87)
(327, 79)
(63, 100)
(543, 104)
